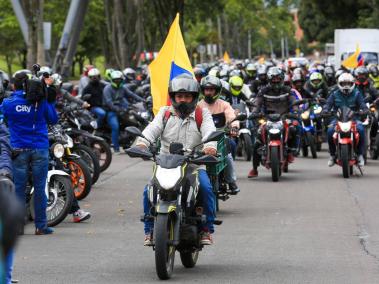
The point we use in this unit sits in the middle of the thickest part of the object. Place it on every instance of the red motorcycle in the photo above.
(346, 137)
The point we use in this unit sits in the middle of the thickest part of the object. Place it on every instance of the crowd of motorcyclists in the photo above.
(278, 99)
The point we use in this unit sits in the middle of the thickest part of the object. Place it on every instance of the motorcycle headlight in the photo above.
(58, 150)
(274, 131)
(305, 115)
(317, 110)
(93, 123)
(345, 126)
(168, 178)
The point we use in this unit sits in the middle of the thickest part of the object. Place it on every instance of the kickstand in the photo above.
(360, 169)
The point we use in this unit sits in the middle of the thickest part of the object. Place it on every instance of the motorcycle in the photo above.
(346, 138)
(374, 145)
(79, 124)
(244, 143)
(176, 211)
(274, 132)
(58, 189)
(78, 169)
(309, 138)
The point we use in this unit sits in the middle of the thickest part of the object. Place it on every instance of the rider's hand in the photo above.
(86, 105)
(234, 131)
(210, 151)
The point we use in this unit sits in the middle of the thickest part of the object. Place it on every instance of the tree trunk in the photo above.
(40, 46)
(30, 8)
(119, 19)
(8, 60)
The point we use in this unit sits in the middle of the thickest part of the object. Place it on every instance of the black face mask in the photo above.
(209, 100)
(184, 109)
(94, 82)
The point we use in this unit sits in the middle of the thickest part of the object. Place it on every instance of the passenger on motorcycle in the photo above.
(275, 98)
(95, 88)
(347, 95)
(182, 127)
(222, 114)
(115, 99)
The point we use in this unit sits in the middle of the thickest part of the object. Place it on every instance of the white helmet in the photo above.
(93, 72)
(346, 83)
(57, 79)
(129, 73)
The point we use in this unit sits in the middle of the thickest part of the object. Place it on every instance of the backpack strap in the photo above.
(198, 117)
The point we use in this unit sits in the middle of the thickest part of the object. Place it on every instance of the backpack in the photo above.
(198, 117)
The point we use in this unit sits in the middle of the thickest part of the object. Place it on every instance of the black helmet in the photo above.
(361, 74)
(184, 83)
(211, 82)
(275, 77)
(262, 73)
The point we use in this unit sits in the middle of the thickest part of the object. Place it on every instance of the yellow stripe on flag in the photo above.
(352, 60)
(173, 50)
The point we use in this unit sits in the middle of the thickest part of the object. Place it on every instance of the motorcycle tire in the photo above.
(304, 148)
(319, 147)
(164, 253)
(344, 148)
(90, 158)
(375, 153)
(247, 146)
(59, 203)
(103, 152)
(275, 164)
(312, 144)
(80, 178)
(189, 258)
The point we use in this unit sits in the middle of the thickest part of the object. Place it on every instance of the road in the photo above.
(312, 226)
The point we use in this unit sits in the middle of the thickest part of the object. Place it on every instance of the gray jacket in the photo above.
(178, 130)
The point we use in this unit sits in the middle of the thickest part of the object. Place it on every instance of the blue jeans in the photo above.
(100, 115)
(8, 267)
(332, 146)
(112, 121)
(35, 161)
(207, 197)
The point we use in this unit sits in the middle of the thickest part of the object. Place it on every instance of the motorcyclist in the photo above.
(84, 80)
(95, 89)
(199, 73)
(222, 114)
(261, 80)
(130, 79)
(329, 75)
(274, 98)
(237, 91)
(251, 74)
(364, 85)
(115, 100)
(374, 76)
(347, 95)
(181, 126)
(315, 87)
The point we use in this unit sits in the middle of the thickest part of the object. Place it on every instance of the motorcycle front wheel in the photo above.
(275, 164)
(91, 159)
(344, 148)
(164, 250)
(59, 201)
(80, 177)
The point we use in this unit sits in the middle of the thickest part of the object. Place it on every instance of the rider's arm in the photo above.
(207, 127)
(361, 102)
(230, 115)
(329, 103)
(67, 96)
(5, 150)
(107, 99)
(154, 130)
(258, 103)
(130, 94)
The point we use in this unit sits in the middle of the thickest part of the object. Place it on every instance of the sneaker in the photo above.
(80, 216)
(234, 188)
(332, 161)
(148, 240)
(44, 231)
(290, 158)
(253, 173)
(361, 161)
(206, 238)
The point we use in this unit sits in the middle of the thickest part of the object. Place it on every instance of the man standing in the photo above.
(27, 117)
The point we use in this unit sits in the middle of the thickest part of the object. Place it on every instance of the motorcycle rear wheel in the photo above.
(344, 148)
(246, 145)
(275, 164)
(189, 259)
(103, 152)
(164, 252)
(375, 152)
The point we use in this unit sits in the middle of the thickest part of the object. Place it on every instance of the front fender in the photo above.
(244, 130)
(165, 207)
(55, 172)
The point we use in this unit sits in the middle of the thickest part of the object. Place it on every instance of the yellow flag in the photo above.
(171, 61)
(261, 60)
(353, 60)
(226, 57)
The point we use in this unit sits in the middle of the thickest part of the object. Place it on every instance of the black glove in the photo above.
(51, 94)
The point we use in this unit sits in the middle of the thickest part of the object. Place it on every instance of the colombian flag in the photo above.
(354, 60)
(171, 61)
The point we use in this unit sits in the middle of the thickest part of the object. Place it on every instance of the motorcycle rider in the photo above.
(237, 91)
(84, 80)
(374, 75)
(222, 114)
(364, 84)
(181, 126)
(130, 79)
(115, 100)
(95, 88)
(330, 78)
(315, 86)
(275, 98)
(261, 80)
(251, 74)
(347, 95)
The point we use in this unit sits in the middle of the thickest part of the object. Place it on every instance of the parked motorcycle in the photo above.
(176, 211)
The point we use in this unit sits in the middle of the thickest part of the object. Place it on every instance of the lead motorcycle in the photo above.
(176, 206)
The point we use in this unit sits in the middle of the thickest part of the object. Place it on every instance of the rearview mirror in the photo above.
(133, 131)
(136, 152)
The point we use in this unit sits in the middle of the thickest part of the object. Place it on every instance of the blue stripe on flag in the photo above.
(176, 71)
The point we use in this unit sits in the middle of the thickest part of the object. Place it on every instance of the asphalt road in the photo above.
(312, 226)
